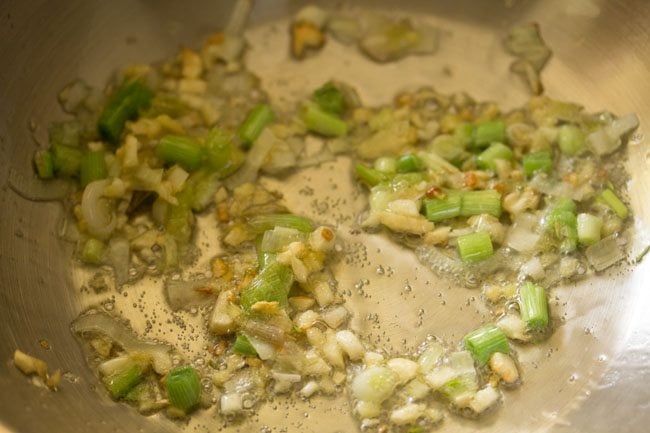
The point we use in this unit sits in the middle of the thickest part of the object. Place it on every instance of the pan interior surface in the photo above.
(589, 376)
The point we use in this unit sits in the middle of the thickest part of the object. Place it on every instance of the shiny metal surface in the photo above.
(592, 375)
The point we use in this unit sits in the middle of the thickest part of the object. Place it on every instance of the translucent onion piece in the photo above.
(183, 294)
(97, 213)
(100, 323)
(604, 253)
(119, 257)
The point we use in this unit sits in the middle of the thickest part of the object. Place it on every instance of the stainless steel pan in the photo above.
(592, 375)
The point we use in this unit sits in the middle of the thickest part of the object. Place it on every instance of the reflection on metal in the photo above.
(591, 375)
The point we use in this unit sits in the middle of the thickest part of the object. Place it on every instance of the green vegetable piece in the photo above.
(264, 258)
(184, 151)
(561, 221)
(243, 346)
(475, 247)
(256, 120)
(121, 382)
(44, 164)
(329, 98)
(370, 176)
(611, 199)
(66, 160)
(480, 202)
(93, 167)
(571, 140)
(65, 133)
(535, 162)
(93, 251)
(131, 97)
(264, 222)
(533, 306)
(450, 147)
(409, 163)
(218, 149)
(183, 388)
(487, 159)
(444, 208)
(459, 387)
(272, 284)
(464, 133)
(165, 104)
(486, 133)
(485, 341)
(179, 222)
(588, 228)
(323, 122)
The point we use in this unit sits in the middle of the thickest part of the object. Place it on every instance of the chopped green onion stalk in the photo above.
(331, 99)
(449, 147)
(409, 163)
(562, 222)
(218, 148)
(123, 105)
(485, 341)
(256, 120)
(370, 176)
(121, 382)
(459, 387)
(183, 388)
(184, 151)
(533, 306)
(444, 208)
(541, 161)
(571, 140)
(65, 133)
(66, 160)
(180, 220)
(323, 122)
(611, 199)
(589, 228)
(243, 346)
(487, 159)
(44, 164)
(264, 222)
(264, 258)
(480, 202)
(487, 133)
(272, 284)
(474, 247)
(464, 133)
(92, 251)
(93, 167)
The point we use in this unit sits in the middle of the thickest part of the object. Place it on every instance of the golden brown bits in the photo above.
(435, 192)
(470, 180)
(327, 234)
(305, 37)
(219, 268)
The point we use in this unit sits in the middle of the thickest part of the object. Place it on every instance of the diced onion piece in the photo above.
(533, 268)
(309, 389)
(504, 366)
(439, 376)
(407, 414)
(350, 344)
(604, 253)
(521, 239)
(404, 368)
(373, 358)
(231, 404)
(484, 399)
(367, 409)
(429, 357)
(221, 322)
(336, 316)
(416, 390)
(513, 327)
(374, 384)
(97, 213)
